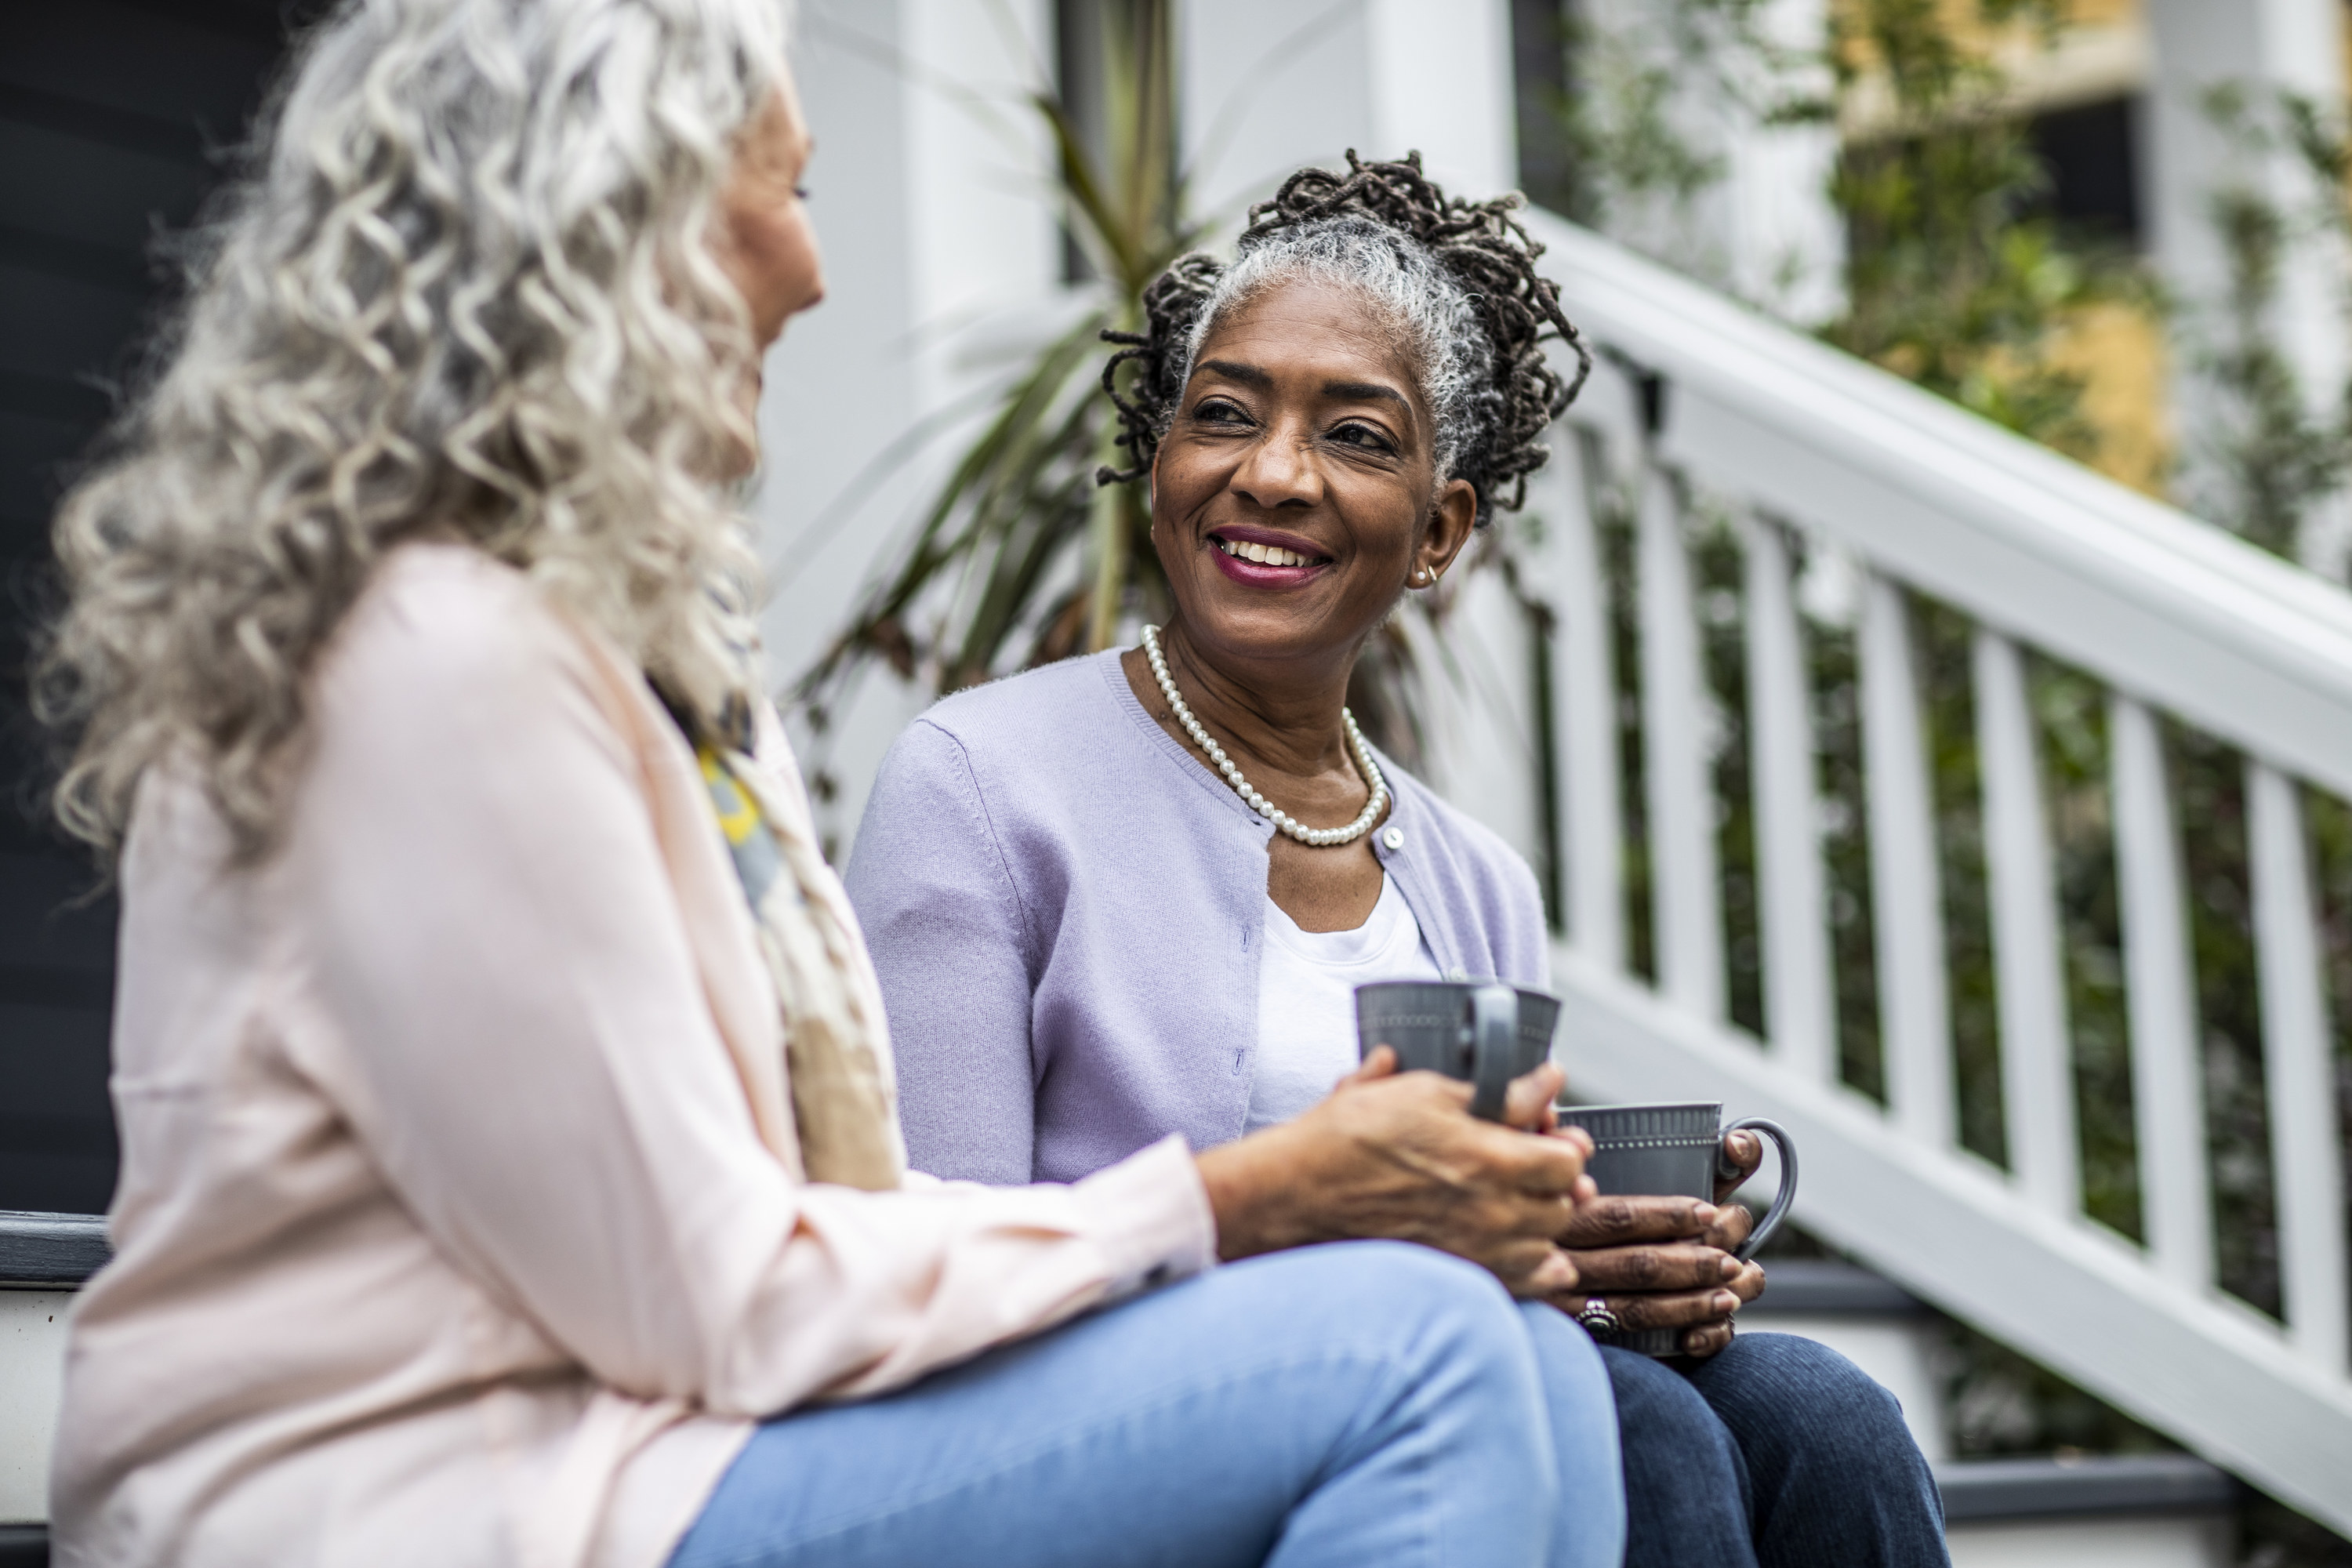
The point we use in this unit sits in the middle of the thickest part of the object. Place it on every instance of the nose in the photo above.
(1279, 471)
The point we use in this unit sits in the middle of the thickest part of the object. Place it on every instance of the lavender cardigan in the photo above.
(1067, 910)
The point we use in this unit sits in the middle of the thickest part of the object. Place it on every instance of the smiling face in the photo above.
(1295, 495)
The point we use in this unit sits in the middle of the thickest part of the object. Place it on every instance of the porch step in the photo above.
(2124, 1510)
(57, 1249)
(43, 1258)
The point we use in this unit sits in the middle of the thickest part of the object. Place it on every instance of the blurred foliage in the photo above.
(1951, 281)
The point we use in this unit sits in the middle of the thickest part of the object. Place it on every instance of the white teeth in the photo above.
(1270, 554)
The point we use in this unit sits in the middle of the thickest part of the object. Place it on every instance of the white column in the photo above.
(1785, 238)
(1905, 874)
(1269, 86)
(1442, 84)
(2037, 1059)
(928, 192)
(1265, 87)
(2263, 47)
(1686, 887)
(1584, 694)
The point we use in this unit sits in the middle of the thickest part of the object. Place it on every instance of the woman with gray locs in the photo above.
(1133, 894)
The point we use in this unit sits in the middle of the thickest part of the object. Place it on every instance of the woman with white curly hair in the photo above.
(510, 1171)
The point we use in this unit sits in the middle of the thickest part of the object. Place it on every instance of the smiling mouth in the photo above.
(1267, 554)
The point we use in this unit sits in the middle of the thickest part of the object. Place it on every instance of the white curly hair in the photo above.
(463, 290)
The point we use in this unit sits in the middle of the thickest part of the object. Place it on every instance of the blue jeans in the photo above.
(1329, 1407)
(1776, 1453)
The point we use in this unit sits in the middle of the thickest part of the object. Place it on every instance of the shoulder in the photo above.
(1055, 708)
(444, 613)
(1031, 731)
(444, 638)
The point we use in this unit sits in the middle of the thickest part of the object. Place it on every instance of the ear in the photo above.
(1451, 521)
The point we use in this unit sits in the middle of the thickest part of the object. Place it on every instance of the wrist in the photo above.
(1252, 1184)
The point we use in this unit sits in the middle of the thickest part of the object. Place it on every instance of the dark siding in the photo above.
(113, 116)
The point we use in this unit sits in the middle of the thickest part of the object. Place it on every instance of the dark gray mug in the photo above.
(1674, 1151)
(1481, 1031)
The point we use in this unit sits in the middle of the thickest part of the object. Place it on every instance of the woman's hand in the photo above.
(1398, 1156)
(1662, 1263)
(1667, 1263)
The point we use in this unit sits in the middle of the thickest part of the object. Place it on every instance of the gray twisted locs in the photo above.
(1457, 280)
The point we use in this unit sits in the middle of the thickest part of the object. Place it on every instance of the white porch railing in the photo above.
(1806, 452)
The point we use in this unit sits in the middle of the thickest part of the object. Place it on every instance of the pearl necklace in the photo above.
(1319, 837)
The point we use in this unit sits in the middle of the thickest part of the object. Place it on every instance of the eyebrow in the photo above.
(1366, 389)
(1232, 370)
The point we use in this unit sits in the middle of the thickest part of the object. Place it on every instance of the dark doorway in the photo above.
(114, 115)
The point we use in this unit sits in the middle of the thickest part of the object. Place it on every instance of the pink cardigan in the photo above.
(443, 1233)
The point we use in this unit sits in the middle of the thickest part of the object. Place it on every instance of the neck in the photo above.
(1281, 716)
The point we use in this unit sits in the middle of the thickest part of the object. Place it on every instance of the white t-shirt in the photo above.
(1307, 1000)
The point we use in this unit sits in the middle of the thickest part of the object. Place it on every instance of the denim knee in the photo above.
(1431, 1299)
(1779, 1392)
(1665, 1420)
(1449, 1327)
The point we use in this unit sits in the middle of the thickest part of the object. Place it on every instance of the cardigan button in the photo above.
(1393, 839)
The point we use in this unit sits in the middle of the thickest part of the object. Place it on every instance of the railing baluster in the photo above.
(2167, 1093)
(1675, 704)
(2305, 1152)
(1798, 989)
(1905, 879)
(2037, 1071)
(1584, 674)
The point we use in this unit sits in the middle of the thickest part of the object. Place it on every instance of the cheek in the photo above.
(1385, 521)
(1180, 484)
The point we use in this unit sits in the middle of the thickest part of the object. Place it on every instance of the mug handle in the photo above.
(1494, 1034)
(1787, 1192)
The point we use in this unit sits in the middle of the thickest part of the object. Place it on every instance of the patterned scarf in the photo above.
(836, 1050)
